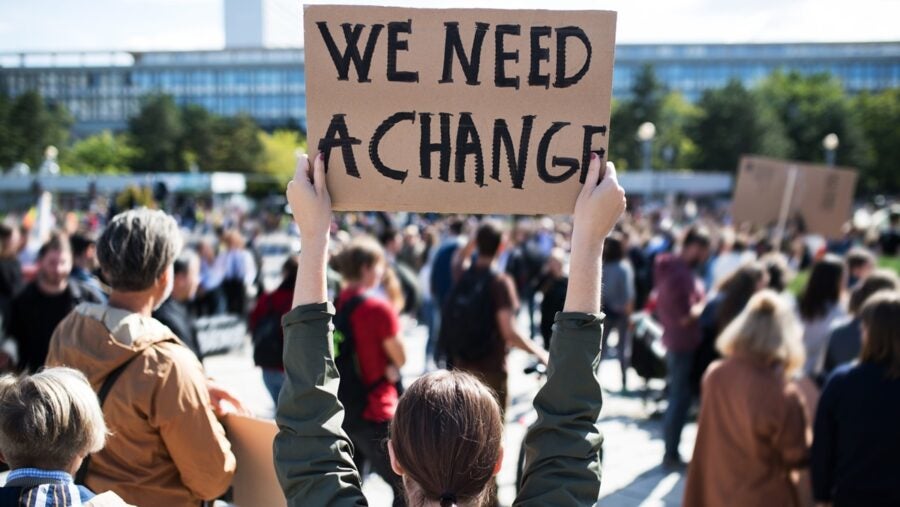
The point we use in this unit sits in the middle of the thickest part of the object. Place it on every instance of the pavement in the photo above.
(631, 425)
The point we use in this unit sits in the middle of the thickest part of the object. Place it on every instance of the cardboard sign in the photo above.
(254, 482)
(457, 110)
(821, 199)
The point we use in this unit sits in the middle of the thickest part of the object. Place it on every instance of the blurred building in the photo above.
(103, 89)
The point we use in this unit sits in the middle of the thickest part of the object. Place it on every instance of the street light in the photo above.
(645, 134)
(830, 143)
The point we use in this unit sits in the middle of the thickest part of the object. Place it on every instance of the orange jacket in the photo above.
(166, 447)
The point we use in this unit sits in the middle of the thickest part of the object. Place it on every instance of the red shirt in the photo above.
(374, 321)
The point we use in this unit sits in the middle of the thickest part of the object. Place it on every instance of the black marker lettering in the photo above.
(383, 129)
(516, 168)
(338, 136)
(465, 147)
(470, 65)
(500, 79)
(395, 44)
(426, 147)
(543, 147)
(351, 52)
(539, 54)
(589, 132)
(562, 35)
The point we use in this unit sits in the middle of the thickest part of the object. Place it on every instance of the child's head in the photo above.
(50, 420)
(446, 439)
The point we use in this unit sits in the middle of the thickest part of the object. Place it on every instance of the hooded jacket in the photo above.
(166, 447)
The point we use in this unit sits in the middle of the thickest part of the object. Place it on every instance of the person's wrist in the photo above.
(314, 242)
(586, 245)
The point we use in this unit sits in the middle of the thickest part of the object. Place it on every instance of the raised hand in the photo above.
(599, 204)
(308, 196)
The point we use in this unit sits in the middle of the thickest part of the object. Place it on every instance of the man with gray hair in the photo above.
(166, 445)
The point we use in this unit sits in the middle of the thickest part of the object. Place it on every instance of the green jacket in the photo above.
(313, 455)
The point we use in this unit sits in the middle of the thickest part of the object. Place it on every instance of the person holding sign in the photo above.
(445, 439)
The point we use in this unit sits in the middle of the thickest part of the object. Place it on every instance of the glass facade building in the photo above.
(103, 89)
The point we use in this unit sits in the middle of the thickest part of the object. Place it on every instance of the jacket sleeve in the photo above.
(192, 435)
(313, 455)
(562, 460)
(822, 461)
(790, 438)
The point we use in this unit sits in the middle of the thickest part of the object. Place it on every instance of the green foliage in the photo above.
(644, 104)
(29, 126)
(734, 121)
(156, 133)
(879, 116)
(236, 146)
(100, 153)
(197, 144)
(280, 153)
(811, 107)
(135, 197)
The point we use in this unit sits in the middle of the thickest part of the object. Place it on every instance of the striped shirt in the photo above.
(44, 488)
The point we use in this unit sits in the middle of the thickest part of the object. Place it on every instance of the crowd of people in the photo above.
(797, 383)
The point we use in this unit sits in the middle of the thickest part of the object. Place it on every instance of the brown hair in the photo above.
(446, 434)
(882, 279)
(881, 322)
(361, 253)
(58, 242)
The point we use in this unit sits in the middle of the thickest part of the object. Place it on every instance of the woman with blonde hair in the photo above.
(752, 426)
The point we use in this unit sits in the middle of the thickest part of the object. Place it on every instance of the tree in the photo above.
(733, 122)
(672, 147)
(32, 125)
(880, 121)
(100, 153)
(7, 149)
(237, 146)
(279, 157)
(644, 104)
(198, 141)
(156, 133)
(810, 107)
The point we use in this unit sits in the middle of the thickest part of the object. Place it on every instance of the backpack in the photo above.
(268, 343)
(353, 393)
(468, 318)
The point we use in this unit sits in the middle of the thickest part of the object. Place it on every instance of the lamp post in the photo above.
(645, 134)
(830, 143)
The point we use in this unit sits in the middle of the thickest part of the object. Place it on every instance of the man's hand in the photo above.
(309, 199)
(223, 402)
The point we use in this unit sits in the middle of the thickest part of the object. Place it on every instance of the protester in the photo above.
(618, 300)
(554, 290)
(731, 297)
(49, 423)
(845, 336)
(45, 302)
(860, 263)
(820, 306)
(239, 272)
(680, 295)
(265, 326)
(446, 438)
(167, 447)
(856, 448)
(441, 283)
(10, 270)
(733, 254)
(211, 295)
(392, 242)
(375, 328)
(889, 239)
(174, 312)
(479, 315)
(84, 262)
(752, 431)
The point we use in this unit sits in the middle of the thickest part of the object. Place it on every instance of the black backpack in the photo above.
(468, 318)
(268, 342)
(353, 393)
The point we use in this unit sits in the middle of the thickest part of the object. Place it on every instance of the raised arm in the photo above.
(313, 456)
(562, 463)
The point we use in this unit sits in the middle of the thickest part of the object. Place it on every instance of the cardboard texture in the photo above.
(821, 200)
(415, 73)
(255, 483)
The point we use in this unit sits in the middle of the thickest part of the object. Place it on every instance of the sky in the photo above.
(198, 24)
